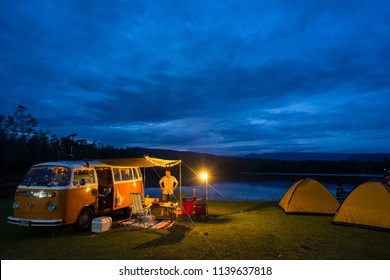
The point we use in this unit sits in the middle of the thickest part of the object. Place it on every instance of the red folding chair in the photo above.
(187, 208)
(188, 205)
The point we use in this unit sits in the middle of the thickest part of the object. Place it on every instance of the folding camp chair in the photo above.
(188, 208)
(188, 205)
(138, 209)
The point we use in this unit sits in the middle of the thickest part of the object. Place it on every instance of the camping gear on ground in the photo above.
(169, 207)
(309, 196)
(149, 201)
(368, 205)
(201, 209)
(165, 224)
(101, 224)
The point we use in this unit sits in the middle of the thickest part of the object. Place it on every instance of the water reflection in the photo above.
(262, 186)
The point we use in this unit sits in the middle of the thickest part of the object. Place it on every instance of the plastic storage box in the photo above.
(101, 224)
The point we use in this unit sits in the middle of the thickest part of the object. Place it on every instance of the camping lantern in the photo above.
(204, 177)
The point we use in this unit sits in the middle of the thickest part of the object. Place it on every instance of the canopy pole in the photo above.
(180, 199)
(144, 175)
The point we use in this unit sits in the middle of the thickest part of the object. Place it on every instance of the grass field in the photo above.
(234, 231)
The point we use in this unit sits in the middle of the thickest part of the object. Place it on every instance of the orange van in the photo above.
(73, 192)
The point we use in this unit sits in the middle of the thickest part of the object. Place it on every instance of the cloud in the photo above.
(228, 78)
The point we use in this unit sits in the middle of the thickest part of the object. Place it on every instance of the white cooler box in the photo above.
(101, 224)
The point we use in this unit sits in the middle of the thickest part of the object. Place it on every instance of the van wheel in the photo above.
(127, 212)
(84, 220)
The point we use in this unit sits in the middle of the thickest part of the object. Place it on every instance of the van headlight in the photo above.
(16, 204)
(51, 206)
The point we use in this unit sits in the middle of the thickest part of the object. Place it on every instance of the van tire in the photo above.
(84, 220)
(127, 212)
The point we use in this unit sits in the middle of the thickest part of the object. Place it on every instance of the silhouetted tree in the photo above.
(20, 123)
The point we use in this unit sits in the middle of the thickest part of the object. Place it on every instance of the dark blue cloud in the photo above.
(225, 78)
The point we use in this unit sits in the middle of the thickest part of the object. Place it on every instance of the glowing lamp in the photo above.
(204, 177)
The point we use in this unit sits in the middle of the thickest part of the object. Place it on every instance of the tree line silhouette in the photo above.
(23, 143)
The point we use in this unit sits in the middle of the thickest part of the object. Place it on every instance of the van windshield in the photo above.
(47, 176)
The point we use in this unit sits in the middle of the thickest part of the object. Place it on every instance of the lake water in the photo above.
(263, 186)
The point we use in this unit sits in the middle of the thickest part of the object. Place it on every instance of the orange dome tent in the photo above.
(368, 205)
(309, 196)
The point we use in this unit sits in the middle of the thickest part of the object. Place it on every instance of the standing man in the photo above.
(168, 184)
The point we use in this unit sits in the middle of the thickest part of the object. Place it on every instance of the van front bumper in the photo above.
(34, 223)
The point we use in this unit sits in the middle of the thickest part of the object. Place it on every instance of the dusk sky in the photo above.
(222, 77)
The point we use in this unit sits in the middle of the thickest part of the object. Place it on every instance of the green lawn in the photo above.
(235, 230)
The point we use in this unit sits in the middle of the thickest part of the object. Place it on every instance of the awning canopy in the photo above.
(141, 162)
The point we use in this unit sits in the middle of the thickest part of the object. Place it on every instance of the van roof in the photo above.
(81, 164)
(73, 163)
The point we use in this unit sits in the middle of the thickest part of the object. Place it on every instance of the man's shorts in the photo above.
(166, 197)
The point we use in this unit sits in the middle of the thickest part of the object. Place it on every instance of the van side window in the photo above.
(126, 174)
(117, 174)
(135, 172)
(82, 177)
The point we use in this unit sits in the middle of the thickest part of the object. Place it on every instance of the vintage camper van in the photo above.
(73, 192)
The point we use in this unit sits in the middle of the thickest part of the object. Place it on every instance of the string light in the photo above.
(162, 164)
